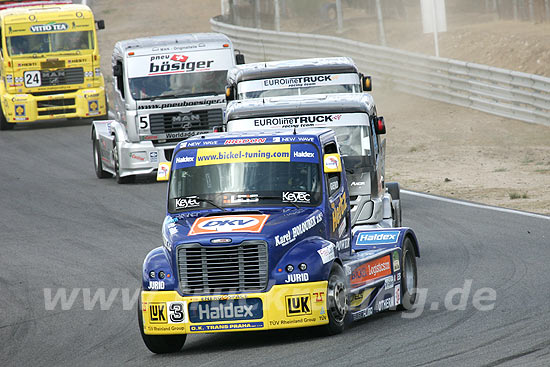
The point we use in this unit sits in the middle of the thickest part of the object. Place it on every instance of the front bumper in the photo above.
(142, 158)
(283, 307)
(82, 103)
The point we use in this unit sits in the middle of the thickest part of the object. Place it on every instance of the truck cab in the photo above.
(50, 64)
(301, 77)
(258, 236)
(360, 135)
(166, 88)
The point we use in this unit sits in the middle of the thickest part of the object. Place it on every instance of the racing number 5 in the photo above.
(32, 78)
(143, 122)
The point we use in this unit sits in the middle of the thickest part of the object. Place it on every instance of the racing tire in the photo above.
(4, 124)
(98, 164)
(394, 190)
(160, 344)
(409, 276)
(337, 301)
(119, 179)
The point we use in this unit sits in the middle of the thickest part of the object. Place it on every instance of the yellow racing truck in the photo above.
(49, 63)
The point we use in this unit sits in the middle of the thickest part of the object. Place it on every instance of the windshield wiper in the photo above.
(279, 198)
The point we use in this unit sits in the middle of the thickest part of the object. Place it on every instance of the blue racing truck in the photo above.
(258, 236)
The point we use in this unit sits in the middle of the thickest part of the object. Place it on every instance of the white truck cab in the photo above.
(166, 88)
(295, 78)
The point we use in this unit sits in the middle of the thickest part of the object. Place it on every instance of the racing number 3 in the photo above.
(32, 79)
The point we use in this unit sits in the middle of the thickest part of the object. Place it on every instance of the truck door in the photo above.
(120, 99)
(338, 205)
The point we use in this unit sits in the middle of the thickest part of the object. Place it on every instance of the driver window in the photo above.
(120, 79)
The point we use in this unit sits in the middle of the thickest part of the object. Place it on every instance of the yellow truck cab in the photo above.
(49, 63)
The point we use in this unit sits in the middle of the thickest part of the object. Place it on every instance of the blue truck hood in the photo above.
(281, 228)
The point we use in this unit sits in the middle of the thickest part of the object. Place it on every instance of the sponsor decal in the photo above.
(388, 282)
(304, 154)
(153, 157)
(319, 297)
(167, 312)
(296, 121)
(385, 304)
(297, 278)
(165, 64)
(234, 326)
(265, 153)
(298, 305)
(161, 106)
(229, 223)
(223, 297)
(370, 271)
(138, 156)
(398, 294)
(362, 314)
(296, 231)
(240, 198)
(156, 285)
(187, 202)
(360, 183)
(357, 299)
(93, 106)
(19, 110)
(327, 253)
(343, 244)
(49, 27)
(338, 211)
(398, 277)
(226, 310)
(395, 257)
(298, 81)
(296, 197)
(185, 120)
(331, 162)
(377, 238)
(185, 159)
(246, 141)
(163, 172)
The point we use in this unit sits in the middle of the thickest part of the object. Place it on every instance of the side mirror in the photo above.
(229, 93)
(117, 70)
(380, 125)
(100, 24)
(366, 83)
(332, 163)
(239, 59)
(163, 172)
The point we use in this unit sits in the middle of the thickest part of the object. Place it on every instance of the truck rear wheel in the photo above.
(408, 277)
(98, 164)
(337, 301)
(4, 124)
(160, 344)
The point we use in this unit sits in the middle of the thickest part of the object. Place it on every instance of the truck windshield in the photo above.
(50, 42)
(326, 89)
(245, 184)
(178, 85)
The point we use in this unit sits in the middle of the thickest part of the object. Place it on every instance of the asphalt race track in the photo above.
(61, 227)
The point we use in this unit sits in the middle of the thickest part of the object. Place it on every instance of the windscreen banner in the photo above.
(179, 62)
(298, 82)
(279, 122)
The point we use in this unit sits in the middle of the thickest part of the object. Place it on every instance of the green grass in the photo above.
(516, 195)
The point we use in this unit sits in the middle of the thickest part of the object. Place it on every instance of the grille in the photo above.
(62, 77)
(162, 123)
(57, 112)
(222, 269)
(55, 103)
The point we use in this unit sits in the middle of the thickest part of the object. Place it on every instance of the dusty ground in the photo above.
(431, 147)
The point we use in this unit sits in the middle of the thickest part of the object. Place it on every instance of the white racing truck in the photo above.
(358, 130)
(166, 88)
(296, 78)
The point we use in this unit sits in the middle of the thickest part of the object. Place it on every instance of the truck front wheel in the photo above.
(160, 344)
(409, 277)
(4, 124)
(337, 301)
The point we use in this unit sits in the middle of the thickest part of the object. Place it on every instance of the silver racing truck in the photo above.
(359, 131)
(296, 78)
(166, 88)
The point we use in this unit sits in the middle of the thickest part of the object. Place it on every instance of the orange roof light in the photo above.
(226, 45)
(131, 53)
